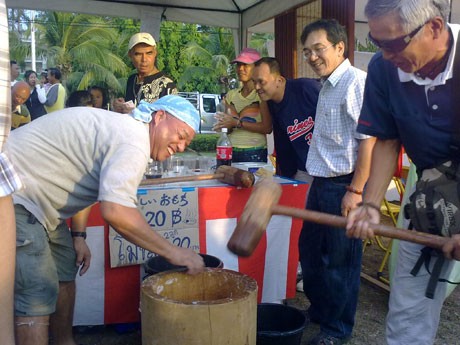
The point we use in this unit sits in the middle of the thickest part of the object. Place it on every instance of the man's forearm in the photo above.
(80, 220)
(7, 264)
(129, 223)
(383, 165)
(363, 163)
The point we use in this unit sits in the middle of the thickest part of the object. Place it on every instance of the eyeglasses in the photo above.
(395, 45)
(307, 53)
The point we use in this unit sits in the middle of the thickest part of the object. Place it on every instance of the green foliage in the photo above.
(81, 46)
(204, 142)
(92, 50)
(207, 68)
(18, 51)
(368, 47)
(173, 37)
(259, 41)
(20, 25)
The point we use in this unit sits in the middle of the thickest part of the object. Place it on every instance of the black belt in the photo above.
(341, 177)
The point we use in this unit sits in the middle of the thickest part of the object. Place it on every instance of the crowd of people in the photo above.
(341, 133)
(47, 94)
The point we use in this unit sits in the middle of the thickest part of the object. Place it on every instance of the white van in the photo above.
(206, 104)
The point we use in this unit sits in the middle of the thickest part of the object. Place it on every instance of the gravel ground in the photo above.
(370, 317)
(372, 309)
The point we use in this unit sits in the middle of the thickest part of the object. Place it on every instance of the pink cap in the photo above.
(247, 56)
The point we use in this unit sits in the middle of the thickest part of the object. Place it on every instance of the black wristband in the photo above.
(78, 234)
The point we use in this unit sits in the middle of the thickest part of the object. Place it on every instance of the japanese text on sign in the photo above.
(172, 213)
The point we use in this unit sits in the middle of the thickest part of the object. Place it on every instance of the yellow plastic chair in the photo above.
(272, 160)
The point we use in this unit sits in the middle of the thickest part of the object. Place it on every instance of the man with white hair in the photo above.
(70, 160)
(409, 101)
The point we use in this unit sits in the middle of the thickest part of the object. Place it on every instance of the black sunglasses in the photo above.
(395, 45)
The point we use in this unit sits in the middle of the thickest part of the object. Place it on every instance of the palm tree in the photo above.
(19, 27)
(259, 41)
(209, 62)
(18, 51)
(81, 47)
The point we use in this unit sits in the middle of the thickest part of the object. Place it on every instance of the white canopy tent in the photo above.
(238, 15)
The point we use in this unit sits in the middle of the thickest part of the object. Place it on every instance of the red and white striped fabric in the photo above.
(111, 295)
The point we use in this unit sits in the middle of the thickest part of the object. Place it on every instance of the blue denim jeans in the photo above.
(43, 259)
(331, 262)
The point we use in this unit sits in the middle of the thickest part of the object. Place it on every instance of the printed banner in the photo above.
(172, 213)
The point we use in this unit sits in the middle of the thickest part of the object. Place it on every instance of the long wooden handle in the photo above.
(422, 238)
(155, 181)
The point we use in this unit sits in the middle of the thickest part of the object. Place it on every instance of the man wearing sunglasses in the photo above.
(338, 160)
(408, 101)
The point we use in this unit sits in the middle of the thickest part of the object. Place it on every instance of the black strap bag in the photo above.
(434, 206)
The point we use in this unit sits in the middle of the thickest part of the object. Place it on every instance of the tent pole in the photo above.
(151, 21)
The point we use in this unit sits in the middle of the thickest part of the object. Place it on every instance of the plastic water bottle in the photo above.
(224, 149)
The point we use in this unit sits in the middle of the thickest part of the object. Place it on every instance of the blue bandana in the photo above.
(174, 105)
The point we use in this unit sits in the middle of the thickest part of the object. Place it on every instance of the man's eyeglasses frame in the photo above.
(307, 53)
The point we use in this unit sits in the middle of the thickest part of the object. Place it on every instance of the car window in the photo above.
(209, 105)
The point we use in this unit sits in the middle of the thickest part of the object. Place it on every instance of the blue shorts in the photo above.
(43, 259)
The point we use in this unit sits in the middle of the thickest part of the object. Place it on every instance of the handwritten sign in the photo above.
(172, 213)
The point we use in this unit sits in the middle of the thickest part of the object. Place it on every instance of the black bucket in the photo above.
(159, 264)
(279, 324)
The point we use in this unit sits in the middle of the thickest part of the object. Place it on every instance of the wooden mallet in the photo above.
(263, 203)
(226, 174)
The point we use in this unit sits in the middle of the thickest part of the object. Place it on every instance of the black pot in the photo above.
(279, 324)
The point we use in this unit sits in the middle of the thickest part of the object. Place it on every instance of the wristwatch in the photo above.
(78, 234)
